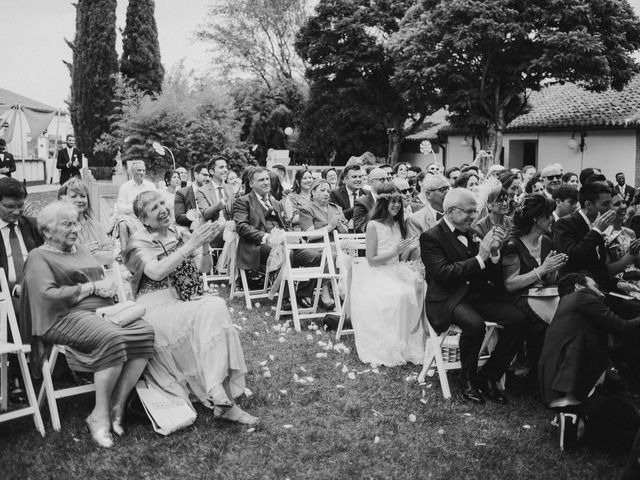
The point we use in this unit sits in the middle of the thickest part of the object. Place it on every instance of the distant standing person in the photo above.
(7, 163)
(69, 160)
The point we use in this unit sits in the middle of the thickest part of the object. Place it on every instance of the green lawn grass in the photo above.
(334, 427)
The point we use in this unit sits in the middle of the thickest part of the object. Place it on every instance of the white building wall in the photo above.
(612, 151)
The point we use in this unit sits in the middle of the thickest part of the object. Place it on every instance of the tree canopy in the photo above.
(352, 101)
(480, 58)
(94, 64)
(140, 48)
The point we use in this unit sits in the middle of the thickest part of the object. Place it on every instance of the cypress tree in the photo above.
(140, 49)
(94, 64)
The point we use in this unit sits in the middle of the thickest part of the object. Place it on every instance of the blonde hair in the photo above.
(78, 186)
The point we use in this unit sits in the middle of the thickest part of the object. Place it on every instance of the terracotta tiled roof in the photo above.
(562, 107)
(569, 106)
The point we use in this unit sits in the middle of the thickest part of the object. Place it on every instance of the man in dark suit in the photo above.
(69, 160)
(463, 277)
(7, 163)
(580, 235)
(19, 236)
(574, 359)
(628, 192)
(377, 177)
(256, 215)
(215, 199)
(345, 196)
(185, 198)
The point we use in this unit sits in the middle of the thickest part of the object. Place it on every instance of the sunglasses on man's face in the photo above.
(553, 177)
(444, 189)
(405, 191)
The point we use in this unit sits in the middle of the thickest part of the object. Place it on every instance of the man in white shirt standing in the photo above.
(130, 189)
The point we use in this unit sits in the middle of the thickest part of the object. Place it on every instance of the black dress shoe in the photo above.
(18, 397)
(470, 392)
(492, 391)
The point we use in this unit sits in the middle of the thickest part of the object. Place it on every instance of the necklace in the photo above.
(46, 246)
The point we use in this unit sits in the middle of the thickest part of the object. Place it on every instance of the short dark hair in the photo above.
(537, 177)
(565, 192)
(212, 163)
(326, 171)
(450, 170)
(590, 192)
(567, 284)
(619, 173)
(415, 168)
(464, 178)
(350, 168)
(586, 173)
(468, 168)
(12, 188)
(197, 168)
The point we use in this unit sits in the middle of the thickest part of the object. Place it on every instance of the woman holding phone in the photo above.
(387, 292)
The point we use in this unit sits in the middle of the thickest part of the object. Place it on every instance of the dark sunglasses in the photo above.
(444, 189)
(405, 191)
(553, 177)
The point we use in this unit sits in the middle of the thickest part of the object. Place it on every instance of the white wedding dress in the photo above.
(386, 307)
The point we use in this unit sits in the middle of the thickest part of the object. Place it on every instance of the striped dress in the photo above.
(50, 292)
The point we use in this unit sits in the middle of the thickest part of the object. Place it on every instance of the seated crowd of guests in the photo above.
(550, 257)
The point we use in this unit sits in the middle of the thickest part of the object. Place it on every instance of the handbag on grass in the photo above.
(123, 313)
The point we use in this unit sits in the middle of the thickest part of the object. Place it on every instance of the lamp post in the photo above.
(160, 150)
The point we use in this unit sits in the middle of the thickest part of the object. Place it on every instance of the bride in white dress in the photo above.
(387, 294)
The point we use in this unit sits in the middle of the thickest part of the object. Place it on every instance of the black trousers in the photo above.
(470, 315)
(299, 258)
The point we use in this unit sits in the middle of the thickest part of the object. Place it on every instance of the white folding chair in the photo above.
(249, 295)
(47, 389)
(296, 241)
(8, 316)
(433, 352)
(214, 275)
(348, 247)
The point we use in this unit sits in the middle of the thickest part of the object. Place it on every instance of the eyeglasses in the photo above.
(405, 191)
(444, 189)
(553, 177)
(471, 211)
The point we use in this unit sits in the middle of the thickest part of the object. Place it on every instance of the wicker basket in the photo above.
(450, 349)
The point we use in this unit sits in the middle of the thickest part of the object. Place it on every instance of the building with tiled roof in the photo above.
(565, 124)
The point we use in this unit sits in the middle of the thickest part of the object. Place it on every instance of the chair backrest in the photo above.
(316, 240)
(348, 246)
(7, 313)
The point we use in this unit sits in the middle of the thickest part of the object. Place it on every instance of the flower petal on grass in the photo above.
(309, 337)
(375, 370)
(321, 355)
(440, 431)
(282, 340)
(412, 418)
(267, 374)
(257, 304)
(527, 427)
(318, 332)
(345, 369)
(424, 400)
(376, 439)
(303, 369)
(287, 426)
(248, 392)
(283, 392)
(251, 430)
(352, 375)
(263, 363)
(271, 357)
(238, 327)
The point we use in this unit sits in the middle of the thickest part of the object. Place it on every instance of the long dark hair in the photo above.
(380, 210)
(276, 186)
(298, 179)
(533, 206)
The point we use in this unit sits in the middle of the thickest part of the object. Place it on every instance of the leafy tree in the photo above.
(94, 63)
(140, 48)
(481, 58)
(194, 122)
(353, 103)
(256, 37)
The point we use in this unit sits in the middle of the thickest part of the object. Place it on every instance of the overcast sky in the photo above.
(32, 45)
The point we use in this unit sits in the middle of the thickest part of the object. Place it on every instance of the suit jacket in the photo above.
(251, 227)
(361, 210)
(575, 350)
(63, 159)
(32, 238)
(628, 194)
(420, 221)
(185, 200)
(340, 196)
(8, 162)
(585, 247)
(451, 268)
(209, 204)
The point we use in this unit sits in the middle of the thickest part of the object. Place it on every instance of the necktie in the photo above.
(463, 237)
(439, 216)
(16, 252)
(355, 197)
(220, 194)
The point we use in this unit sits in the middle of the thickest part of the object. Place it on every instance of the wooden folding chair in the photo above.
(295, 241)
(348, 248)
(435, 344)
(8, 317)
(49, 364)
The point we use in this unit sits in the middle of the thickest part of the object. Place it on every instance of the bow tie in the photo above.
(460, 233)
